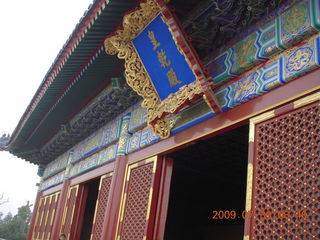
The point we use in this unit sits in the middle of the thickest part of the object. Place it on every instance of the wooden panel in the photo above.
(101, 205)
(51, 215)
(38, 219)
(69, 211)
(163, 198)
(138, 200)
(283, 199)
(44, 216)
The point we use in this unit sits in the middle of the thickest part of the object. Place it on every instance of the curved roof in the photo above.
(80, 71)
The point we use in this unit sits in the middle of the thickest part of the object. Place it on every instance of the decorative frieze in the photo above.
(294, 24)
(52, 181)
(291, 64)
(56, 166)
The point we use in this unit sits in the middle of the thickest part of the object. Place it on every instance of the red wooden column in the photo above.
(34, 214)
(163, 199)
(62, 200)
(113, 205)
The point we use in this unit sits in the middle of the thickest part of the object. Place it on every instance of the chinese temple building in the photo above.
(179, 120)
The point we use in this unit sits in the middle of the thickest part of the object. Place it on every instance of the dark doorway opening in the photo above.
(209, 176)
(92, 190)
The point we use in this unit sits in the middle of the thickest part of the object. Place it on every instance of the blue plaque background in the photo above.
(149, 57)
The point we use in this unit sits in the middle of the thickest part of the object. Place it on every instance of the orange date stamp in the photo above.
(265, 214)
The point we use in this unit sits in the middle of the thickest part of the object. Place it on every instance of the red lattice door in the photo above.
(138, 202)
(71, 210)
(283, 189)
(37, 226)
(45, 216)
(54, 198)
(102, 200)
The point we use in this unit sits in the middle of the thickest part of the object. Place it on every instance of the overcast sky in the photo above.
(32, 34)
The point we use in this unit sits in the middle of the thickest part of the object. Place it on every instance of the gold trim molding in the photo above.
(258, 119)
(249, 187)
(306, 100)
(263, 117)
(268, 115)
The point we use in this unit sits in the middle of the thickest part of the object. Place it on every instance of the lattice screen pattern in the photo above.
(286, 186)
(101, 207)
(138, 186)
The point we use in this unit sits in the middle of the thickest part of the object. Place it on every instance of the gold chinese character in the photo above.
(153, 39)
(162, 57)
(172, 76)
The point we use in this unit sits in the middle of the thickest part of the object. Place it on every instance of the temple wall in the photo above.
(281, 50)
(133, 191)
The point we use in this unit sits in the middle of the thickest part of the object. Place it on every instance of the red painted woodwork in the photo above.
(134, 223)
(45, 214)
(93, 174)
(50, 215)
(137, 212)
(207, 128)
(285, 200)
(42, 217)
(69, 210)
(154, 197)
(113, 205)
(54, 189)
(38, 218)
(34, 216)
(53, 215)
(60, 209)
(101, 205)
(234, 117)
(163, 199)
(78, 212)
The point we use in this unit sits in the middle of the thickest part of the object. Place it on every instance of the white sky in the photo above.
(32, 34)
